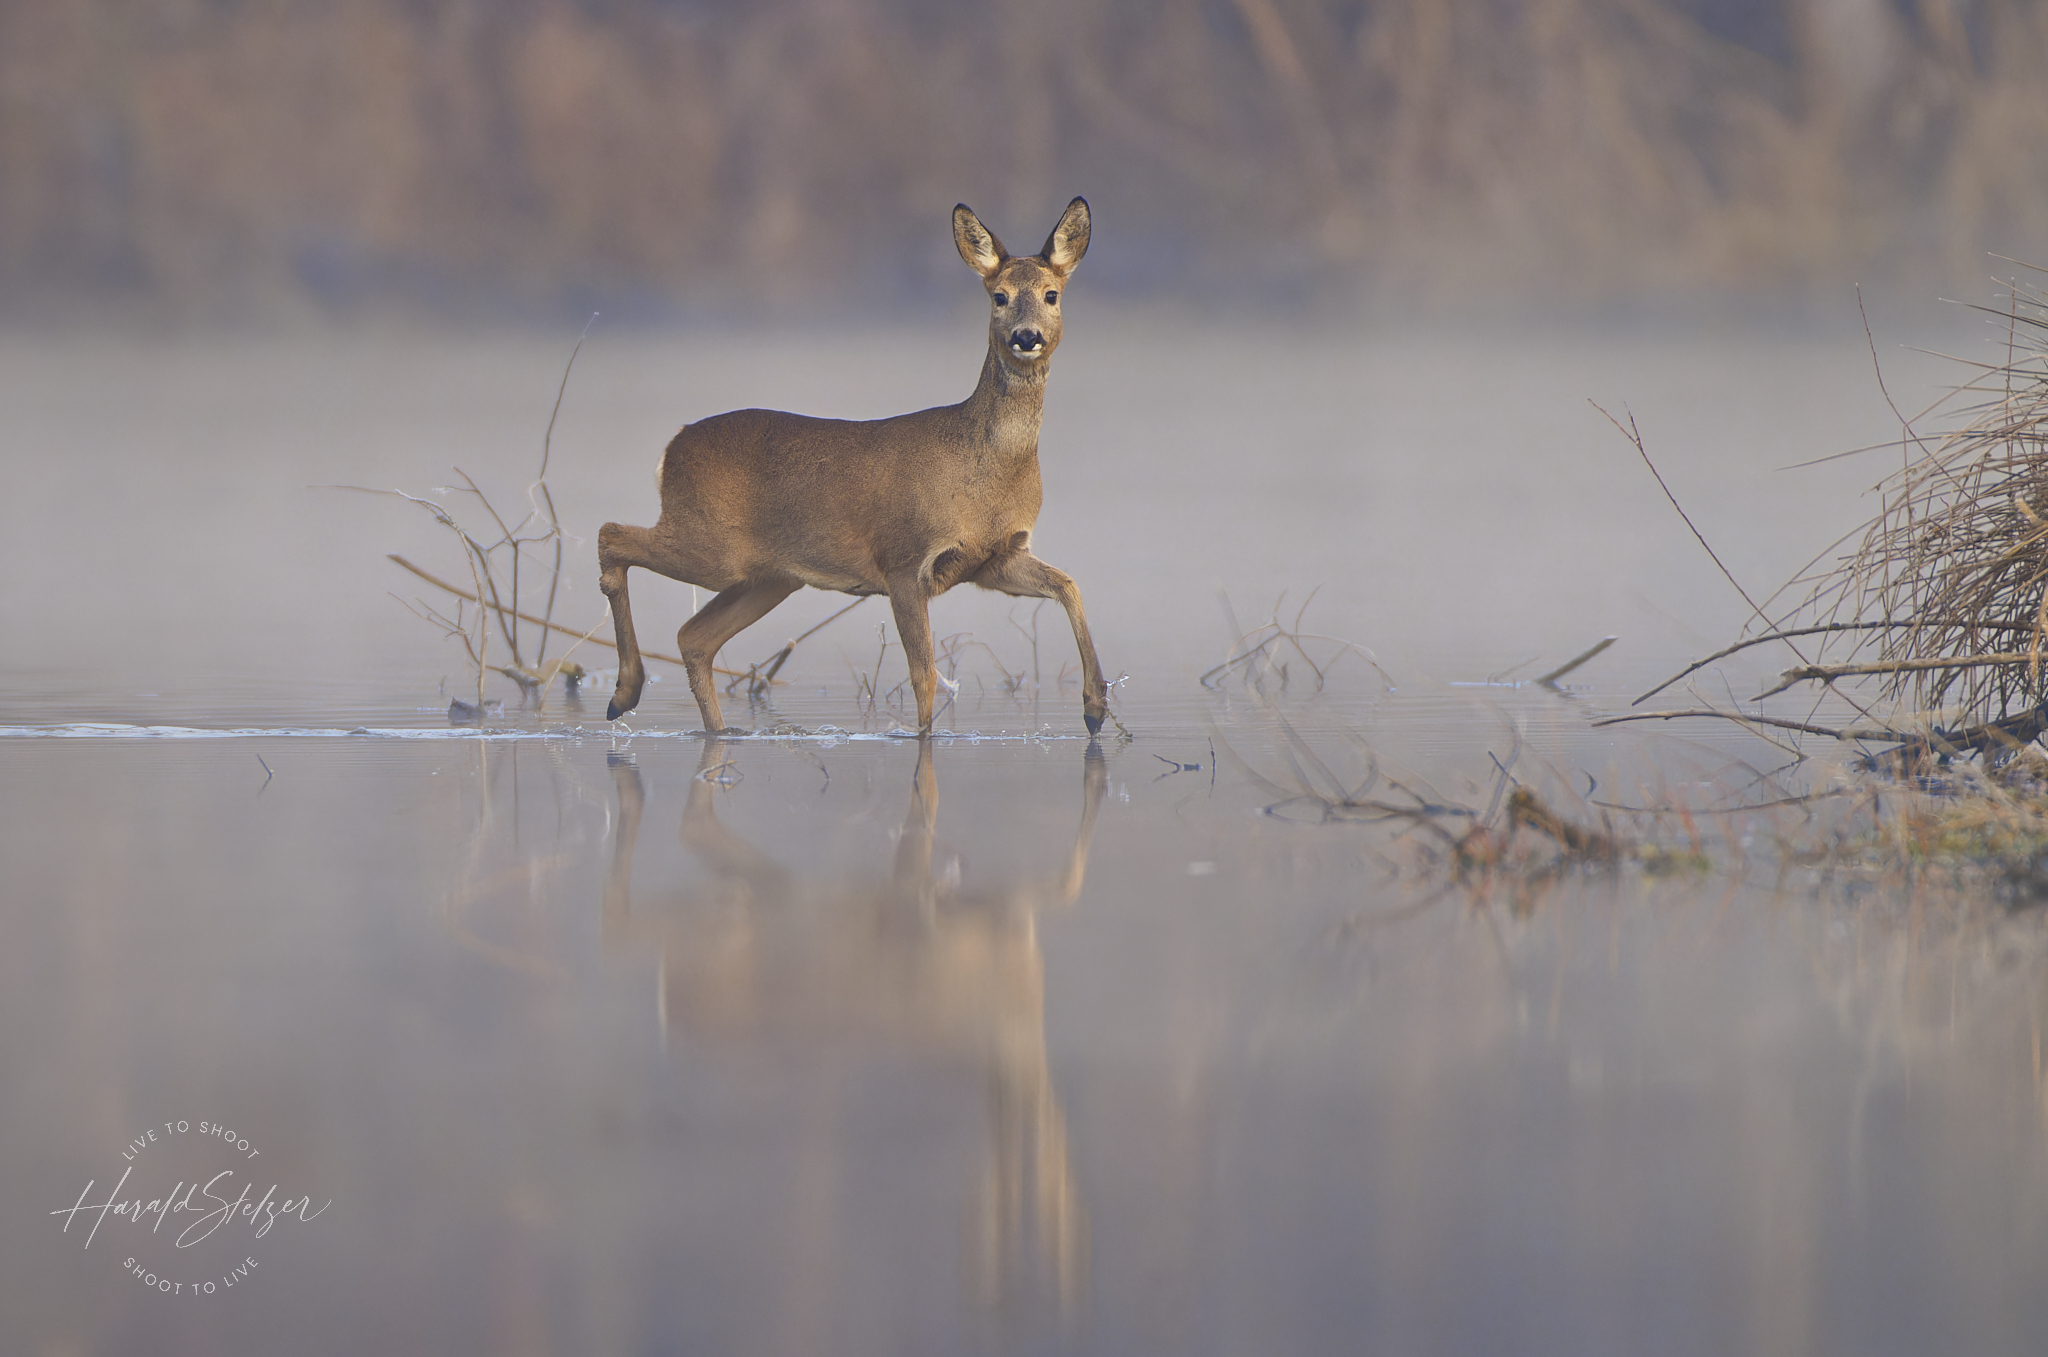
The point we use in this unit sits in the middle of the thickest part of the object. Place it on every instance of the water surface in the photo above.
(826, 1040)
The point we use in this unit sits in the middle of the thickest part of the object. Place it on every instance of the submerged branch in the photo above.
(2006, 735)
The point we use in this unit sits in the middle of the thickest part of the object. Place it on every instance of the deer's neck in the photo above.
(1003, 412)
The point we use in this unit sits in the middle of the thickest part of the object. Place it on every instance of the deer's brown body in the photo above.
(756, 504)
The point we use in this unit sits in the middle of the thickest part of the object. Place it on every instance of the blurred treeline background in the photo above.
(233, 159)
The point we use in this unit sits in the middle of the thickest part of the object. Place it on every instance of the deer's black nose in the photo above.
(1025, 341)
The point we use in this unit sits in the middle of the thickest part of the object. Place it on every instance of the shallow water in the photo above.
(827, 1040)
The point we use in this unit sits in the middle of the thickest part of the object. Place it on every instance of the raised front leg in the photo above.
(907, 597)
(1023, 575)
(723, 618)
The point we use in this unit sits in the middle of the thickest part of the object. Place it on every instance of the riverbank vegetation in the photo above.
(662, 157)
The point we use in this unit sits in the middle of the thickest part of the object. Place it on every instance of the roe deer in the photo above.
(756, 504)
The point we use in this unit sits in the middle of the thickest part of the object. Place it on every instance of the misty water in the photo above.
(557, 1037)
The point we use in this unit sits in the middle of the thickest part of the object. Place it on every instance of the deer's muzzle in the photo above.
(1027, 343)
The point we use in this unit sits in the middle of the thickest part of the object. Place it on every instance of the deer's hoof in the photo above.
(1094, 724)
(625, 697)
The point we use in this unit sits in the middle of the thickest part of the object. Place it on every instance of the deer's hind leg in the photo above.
(723, 618)
(618, 549)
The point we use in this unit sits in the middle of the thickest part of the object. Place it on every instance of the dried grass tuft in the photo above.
(1944, 600)
(1948, 589)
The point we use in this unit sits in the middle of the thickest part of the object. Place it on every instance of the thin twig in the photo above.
(1635, 437)
(547, 449)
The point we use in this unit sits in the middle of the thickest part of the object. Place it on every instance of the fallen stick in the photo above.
(1768, 637)
(1830, 672)
(1554, 675)
(2009, 733)
(1764, 639)
(529, 617)
(1743, 718)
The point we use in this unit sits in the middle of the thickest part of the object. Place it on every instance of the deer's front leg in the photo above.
(909, 600)
(1023, 575)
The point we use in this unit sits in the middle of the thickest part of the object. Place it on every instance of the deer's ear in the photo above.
(1069, 240)
(978, 245)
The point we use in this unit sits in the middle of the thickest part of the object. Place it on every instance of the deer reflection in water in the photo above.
(918, 962)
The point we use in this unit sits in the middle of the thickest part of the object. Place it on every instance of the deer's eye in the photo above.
(1002, 299)
(1052, 299)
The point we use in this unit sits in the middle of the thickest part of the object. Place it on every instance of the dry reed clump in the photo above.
(1945, 600)
(1939, 616)
(1943, 603)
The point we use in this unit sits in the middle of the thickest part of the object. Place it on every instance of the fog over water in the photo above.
(615, 1040)
(1454, 497)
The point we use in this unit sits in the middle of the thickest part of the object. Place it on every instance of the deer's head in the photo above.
(1024, 294)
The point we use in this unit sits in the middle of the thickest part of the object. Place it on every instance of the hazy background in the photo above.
(257, 160)
(1301, 1099)
(1357, 268)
